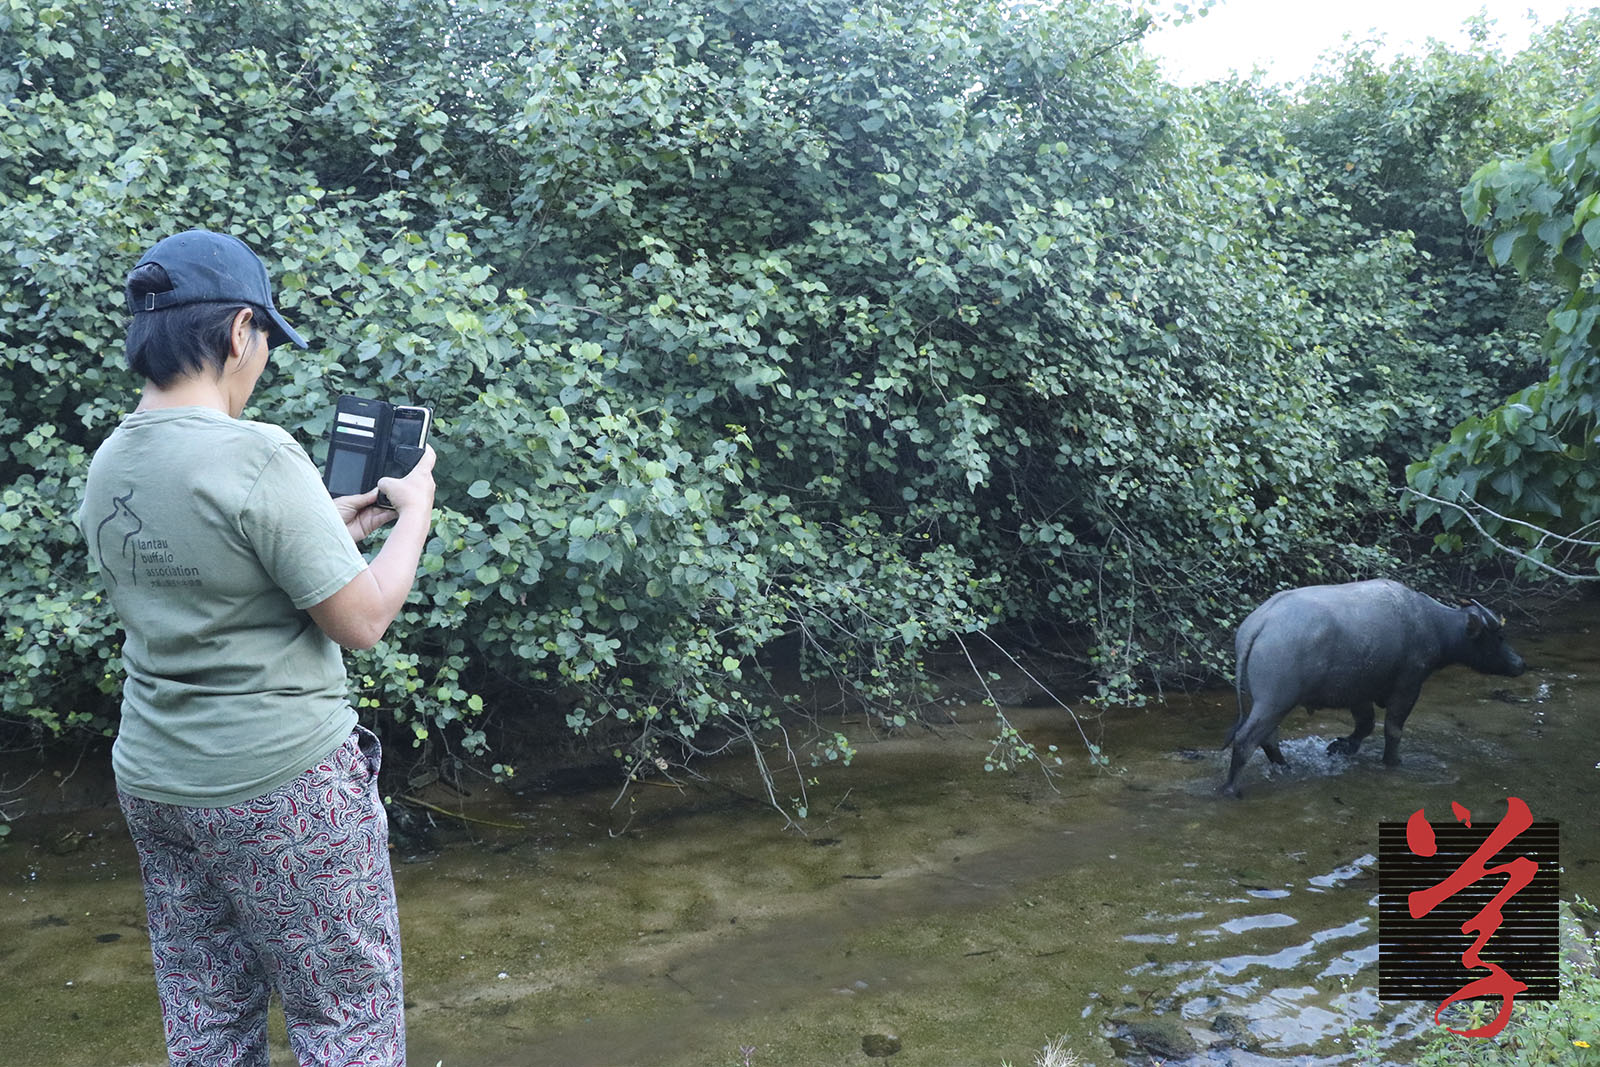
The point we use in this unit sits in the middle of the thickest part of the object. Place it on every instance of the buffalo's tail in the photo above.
(1227, 742)
(1240, 689)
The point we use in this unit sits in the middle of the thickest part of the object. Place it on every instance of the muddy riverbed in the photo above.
(930, 911)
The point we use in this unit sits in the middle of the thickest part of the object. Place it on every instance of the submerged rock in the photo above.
(880, 1046)
(1162, 1038)
(1236, 1028)
(69, 842)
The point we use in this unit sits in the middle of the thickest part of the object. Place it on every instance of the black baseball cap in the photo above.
(207, 267)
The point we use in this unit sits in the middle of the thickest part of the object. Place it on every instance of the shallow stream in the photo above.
(930, 910)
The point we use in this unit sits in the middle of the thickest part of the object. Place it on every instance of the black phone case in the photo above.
(358, 441)
(361, 428)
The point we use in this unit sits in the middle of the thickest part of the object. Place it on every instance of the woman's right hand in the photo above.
(358, 615)
(415, 490)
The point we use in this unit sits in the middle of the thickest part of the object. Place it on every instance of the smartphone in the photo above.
(371, 439)
(409, 426)
(356, 445)
(408, 430)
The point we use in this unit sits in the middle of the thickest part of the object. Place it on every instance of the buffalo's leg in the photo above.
(1399, 709)
(1394, 720)
(1241, 754)
(1261, 728)
(1348, 746)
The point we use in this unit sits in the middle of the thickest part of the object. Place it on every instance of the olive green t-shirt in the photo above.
(212, 535)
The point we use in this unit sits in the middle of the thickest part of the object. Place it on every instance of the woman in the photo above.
(249, 789)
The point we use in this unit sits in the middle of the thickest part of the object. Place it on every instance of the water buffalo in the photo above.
(1352, 646)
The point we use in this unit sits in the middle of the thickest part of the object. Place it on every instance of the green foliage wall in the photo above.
(1419, 326)
(1524, 471)
(746, 324)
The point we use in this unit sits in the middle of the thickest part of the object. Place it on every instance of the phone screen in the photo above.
(409, 427)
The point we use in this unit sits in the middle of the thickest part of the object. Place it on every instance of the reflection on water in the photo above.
(1258, 922)
(970, 916)
(1211, 974)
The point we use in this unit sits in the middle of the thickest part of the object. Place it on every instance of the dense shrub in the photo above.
(748, 325)
(1523, 472)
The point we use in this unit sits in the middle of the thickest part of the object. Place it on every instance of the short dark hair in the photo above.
(186, 339)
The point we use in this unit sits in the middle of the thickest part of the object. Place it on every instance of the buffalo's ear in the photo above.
(1474, 624)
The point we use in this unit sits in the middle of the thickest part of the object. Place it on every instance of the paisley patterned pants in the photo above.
(290, 891)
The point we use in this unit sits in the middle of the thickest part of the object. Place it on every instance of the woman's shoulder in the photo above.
(271, 441)
(267, 433)
(202, 420)
(203, 431)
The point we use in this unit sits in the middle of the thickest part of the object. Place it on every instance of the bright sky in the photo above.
(1285, 37)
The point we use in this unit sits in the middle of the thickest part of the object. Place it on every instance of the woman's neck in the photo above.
(184, 393)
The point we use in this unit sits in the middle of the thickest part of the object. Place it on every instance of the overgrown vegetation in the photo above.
(1522, 473)
(762, 331)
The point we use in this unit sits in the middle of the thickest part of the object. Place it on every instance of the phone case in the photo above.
(360, 450)
(358, 443)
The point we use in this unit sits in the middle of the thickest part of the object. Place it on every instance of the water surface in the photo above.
(971, 915)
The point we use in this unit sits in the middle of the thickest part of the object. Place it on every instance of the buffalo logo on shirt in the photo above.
(122, 520)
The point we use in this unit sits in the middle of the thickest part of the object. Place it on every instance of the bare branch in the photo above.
(1005, 724)
(1077, 722)
(1574, 544)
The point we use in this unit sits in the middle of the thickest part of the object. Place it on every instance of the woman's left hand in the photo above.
(362, 515)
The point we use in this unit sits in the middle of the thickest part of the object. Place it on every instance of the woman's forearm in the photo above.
(394, 568)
